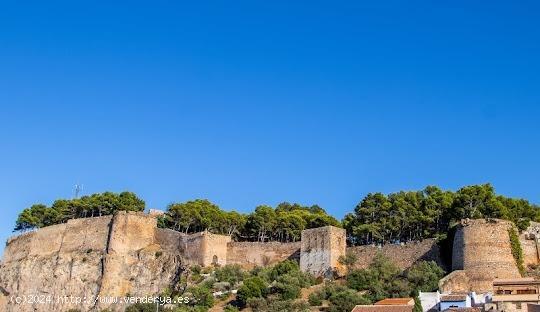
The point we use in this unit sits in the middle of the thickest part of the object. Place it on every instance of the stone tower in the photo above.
(321, 249)
(481, 254)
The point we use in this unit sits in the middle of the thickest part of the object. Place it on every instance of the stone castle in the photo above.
(128, 254)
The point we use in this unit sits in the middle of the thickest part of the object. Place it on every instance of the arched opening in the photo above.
(214, 260)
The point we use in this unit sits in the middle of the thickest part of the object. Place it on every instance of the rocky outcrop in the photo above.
(91, 261)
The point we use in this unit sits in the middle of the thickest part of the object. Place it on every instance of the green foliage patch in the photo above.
(517, 252)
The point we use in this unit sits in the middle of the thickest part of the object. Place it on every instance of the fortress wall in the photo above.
(404, 256)
(47, 240)
(130, 233)
(530, 254)
(215, 249)
(75, 235)
(482, 249)
(89, 234)
(251, 254)
(18, 247)
(168, 239)
(192, 247)
(320, 250)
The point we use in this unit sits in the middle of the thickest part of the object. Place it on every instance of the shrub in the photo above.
(316, 298)
(288, 286)
(141, 307)
(425, 276)
(253, 287)
(345, 300)
(231, 274)
(382, 279)
(196, 269)
(282, 268)
(517, 252)
(230, 308)
(201, 297)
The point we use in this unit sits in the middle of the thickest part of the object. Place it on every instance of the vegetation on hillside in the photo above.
(517, 252)
(278, 288)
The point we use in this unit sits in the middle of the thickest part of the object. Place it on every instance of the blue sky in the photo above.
(251, 102)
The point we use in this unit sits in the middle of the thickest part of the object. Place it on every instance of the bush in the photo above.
(425, 276)
(382, 279)
(141, 307)
(196, 269)
(288, 285)
(253, 287)
(201, 297)
(230, 308)
(517, 252)
(282, 268)
(231, 274)
(270, 305)
(316, 298)
(345, 300)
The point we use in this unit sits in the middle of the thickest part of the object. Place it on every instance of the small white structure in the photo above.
(435, 301)
(430, 300)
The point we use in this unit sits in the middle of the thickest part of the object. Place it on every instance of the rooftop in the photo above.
(384, 308)
(453, 297)
(515, 281)
(468, 309)
(396, 301)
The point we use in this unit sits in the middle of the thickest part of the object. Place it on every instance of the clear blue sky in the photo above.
(258, 102)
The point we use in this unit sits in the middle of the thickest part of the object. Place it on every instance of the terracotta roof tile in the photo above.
(383, 308)
(395, 301)
(453, 297)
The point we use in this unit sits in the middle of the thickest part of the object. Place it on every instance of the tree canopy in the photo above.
(283, 223)
(414, 215)
(377, 219)
(99, 204)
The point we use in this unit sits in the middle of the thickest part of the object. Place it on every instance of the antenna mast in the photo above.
(78, 190)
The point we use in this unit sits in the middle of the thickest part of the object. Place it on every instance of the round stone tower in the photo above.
(482, 250)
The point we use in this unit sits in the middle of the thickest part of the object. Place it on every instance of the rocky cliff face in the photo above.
(90, 258)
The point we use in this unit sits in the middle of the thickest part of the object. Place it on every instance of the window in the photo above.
(526, 291)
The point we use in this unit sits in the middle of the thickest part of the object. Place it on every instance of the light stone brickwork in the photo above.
(482, 251)
(321, 249)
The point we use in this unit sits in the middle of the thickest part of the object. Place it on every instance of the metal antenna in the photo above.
(78, 190)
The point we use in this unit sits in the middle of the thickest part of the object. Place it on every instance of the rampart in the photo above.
(128, 254)
(403, 255)
(251, 254)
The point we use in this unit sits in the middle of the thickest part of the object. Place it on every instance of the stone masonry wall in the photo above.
(482, 250)
(84, 258)
(251, 254)
(529, 240)
(404, 256)
(57, 260)
(321, 249)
